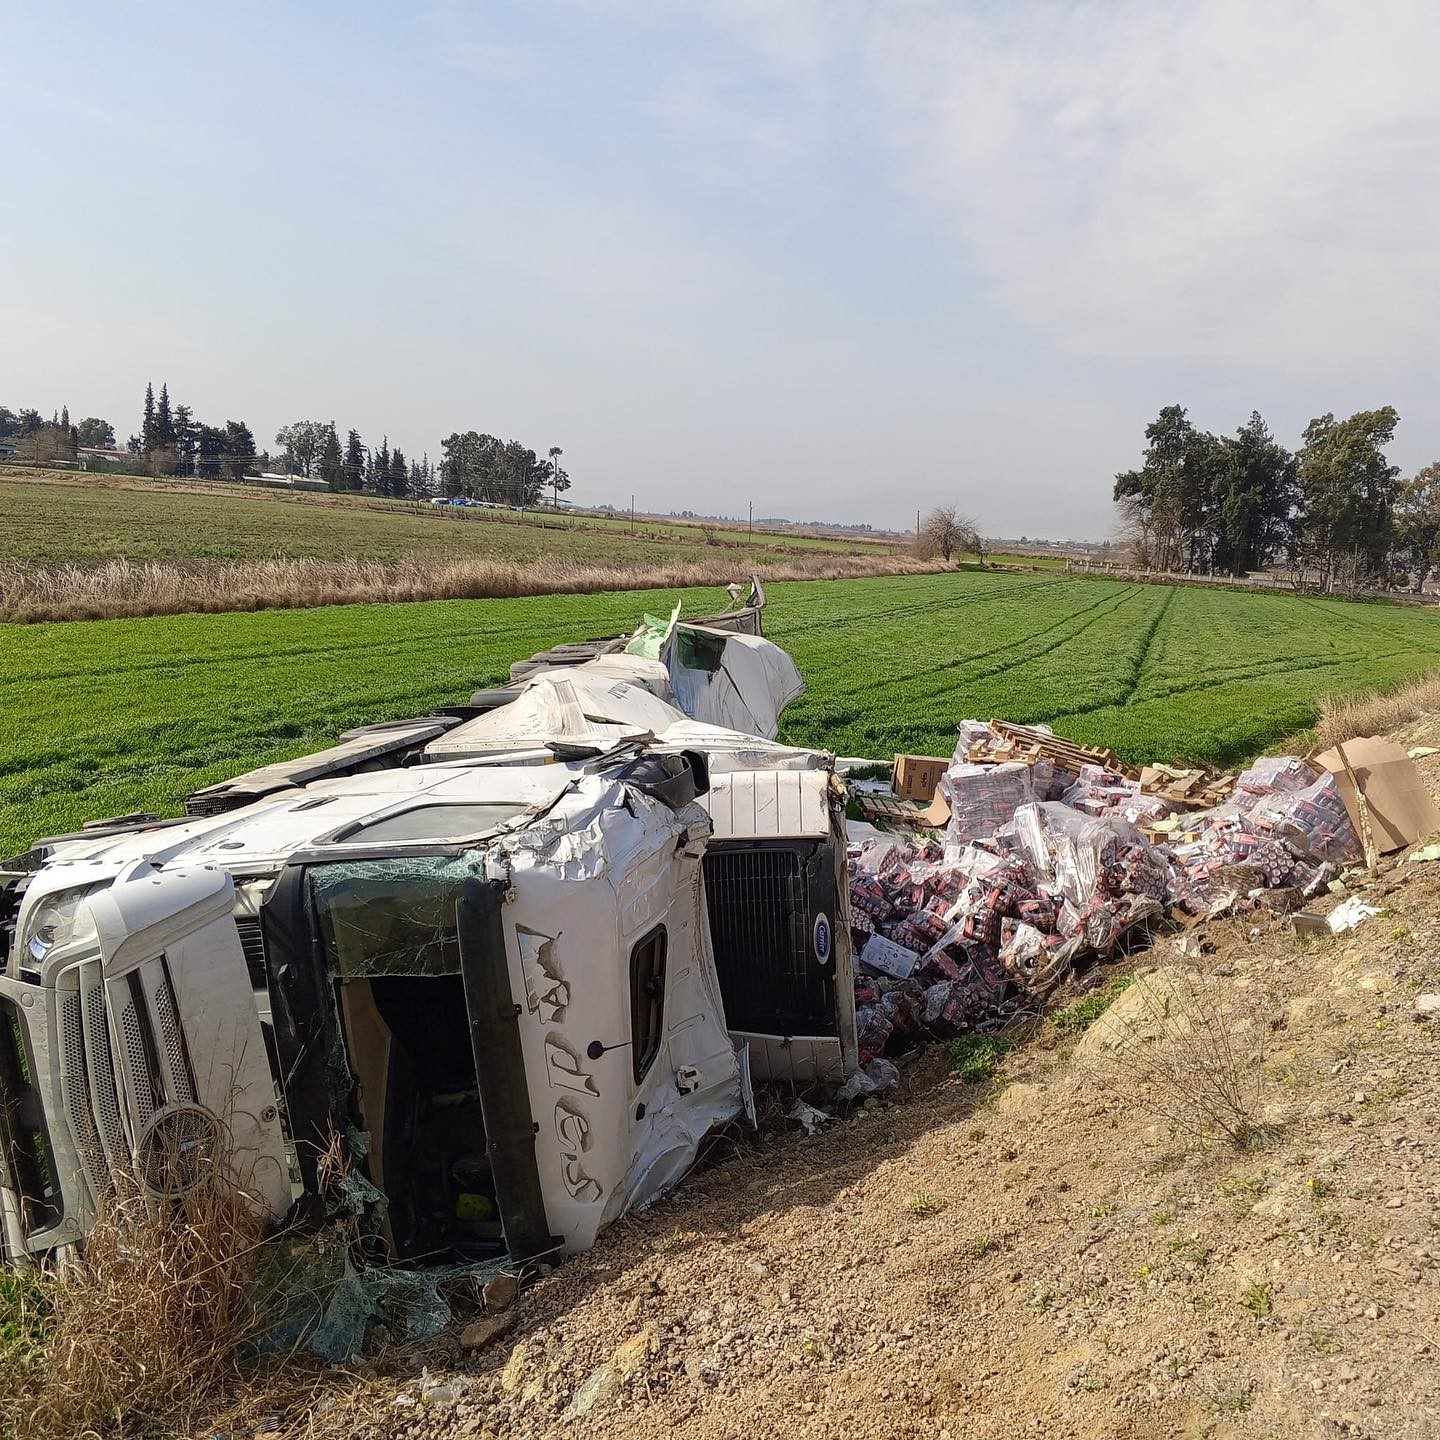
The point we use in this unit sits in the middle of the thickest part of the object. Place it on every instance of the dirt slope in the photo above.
(1037, 1256)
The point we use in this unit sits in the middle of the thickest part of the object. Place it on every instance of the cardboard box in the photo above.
(1399, 806)
(916, 776)
(889, 958)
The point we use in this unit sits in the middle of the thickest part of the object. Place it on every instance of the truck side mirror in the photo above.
(675, 780)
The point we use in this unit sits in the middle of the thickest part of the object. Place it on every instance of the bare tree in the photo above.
(47, 442)
(951, 533)
(1133, 532)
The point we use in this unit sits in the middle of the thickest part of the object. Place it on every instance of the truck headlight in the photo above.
(58, 922)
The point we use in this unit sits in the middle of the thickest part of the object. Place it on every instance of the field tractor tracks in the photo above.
(1146, 648)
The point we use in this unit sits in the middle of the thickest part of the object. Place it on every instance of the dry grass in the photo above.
(1181, 1056)
(142, 1328)
(118, 589)
(1343, 717)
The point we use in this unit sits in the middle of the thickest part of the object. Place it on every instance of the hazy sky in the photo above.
(842, 259)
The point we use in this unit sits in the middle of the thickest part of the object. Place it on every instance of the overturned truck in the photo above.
(507, 963)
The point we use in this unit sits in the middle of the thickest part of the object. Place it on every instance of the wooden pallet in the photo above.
(1195, 788)
(1026, 743)
(888, 810)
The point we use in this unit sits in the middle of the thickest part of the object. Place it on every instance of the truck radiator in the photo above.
(762, 916)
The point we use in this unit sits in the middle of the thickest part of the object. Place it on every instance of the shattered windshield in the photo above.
(390, 917)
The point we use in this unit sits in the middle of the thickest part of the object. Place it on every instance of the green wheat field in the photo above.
(107, 716)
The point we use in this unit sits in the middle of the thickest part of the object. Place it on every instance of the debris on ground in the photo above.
(1053, 854)
(1350, 913)
(809, 1117)
(873, 1078)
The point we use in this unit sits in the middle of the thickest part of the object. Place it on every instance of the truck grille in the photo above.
(122, 1059)
(252, 942)
(760, 922)
(74, 1096)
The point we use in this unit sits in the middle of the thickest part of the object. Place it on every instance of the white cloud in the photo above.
(1227, 182)
(1216, 181)
(718, 112)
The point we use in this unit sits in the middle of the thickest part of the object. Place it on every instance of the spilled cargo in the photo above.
(1052, 856)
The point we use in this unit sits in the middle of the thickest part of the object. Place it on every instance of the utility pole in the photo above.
(632, 514)
(752, 517)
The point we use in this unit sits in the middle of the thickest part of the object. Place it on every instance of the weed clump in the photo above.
(1257, 1300)
(974, 1057)
(1180, 1055)
(1072, 1019)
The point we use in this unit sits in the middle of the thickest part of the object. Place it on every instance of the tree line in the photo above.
(171, 441)
(36, 438)
(1335, 510)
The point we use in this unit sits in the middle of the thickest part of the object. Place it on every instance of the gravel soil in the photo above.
(1040, 1254)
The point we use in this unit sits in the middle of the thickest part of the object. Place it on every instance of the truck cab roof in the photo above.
(422, 804)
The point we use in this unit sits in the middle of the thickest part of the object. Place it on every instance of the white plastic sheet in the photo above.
(742, 682)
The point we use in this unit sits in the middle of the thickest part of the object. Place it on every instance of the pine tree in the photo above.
(210, 444)
(65, 416)
(380, 476)
(164, 424)
(399, 476)
(332, 460)
(239, 447)
(354, 462)
(147, 424)
(422, 477)
(184, 440)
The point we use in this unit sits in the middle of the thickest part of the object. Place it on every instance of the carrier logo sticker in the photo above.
(822, 938)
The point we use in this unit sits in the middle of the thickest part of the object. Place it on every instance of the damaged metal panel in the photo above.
(766, 804)
(741, 682)
(372, 746)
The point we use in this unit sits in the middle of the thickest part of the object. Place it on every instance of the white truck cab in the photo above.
(511, 964)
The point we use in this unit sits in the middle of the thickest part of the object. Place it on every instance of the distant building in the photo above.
(102, 454)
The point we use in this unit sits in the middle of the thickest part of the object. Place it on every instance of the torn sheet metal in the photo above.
(719, 676)
(579, 706)
(742, 682)
(730, 750)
